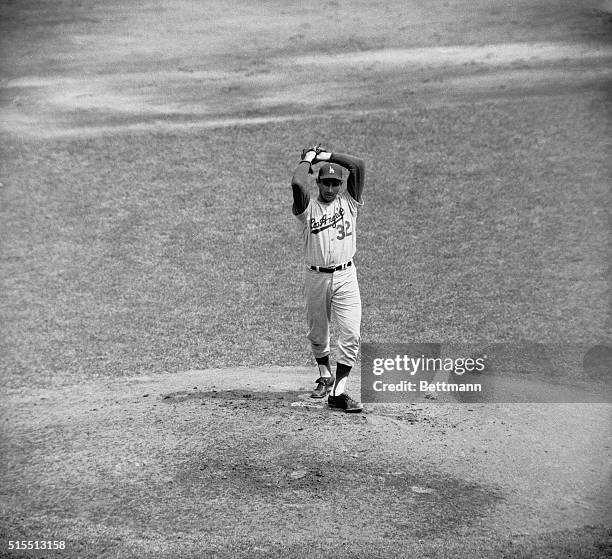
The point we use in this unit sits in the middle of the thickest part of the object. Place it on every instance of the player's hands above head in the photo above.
(308, 154)
(323, 154)
(314, 154)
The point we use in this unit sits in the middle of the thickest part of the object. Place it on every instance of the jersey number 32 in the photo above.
(344, 230)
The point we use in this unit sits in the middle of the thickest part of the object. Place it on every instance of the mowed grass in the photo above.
(161, 252)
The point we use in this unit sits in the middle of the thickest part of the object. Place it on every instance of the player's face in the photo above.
(328, 189)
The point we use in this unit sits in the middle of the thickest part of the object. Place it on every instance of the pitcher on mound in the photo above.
(328, 228)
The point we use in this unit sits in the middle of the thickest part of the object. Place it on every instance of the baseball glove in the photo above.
(317, 149)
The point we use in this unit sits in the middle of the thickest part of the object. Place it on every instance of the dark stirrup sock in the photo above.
(342, 373)
(324, 367)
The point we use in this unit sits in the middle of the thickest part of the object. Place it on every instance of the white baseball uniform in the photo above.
(328, 231)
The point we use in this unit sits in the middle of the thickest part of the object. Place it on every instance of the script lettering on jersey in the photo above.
(325, 222)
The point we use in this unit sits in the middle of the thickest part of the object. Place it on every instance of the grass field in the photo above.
(152, 324)
(125, 256)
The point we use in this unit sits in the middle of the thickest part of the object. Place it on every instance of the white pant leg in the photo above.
(317, 299)
(346, 313)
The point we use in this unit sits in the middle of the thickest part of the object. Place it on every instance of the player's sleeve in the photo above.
(303, 217)
(356, 178)
(352, 204)
(300, 187)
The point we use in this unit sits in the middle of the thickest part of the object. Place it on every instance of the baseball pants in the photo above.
(333, 297)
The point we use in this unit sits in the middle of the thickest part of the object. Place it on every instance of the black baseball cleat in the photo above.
(323, 388)
(344, 402)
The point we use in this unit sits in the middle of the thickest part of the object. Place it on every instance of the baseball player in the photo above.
(328, 226)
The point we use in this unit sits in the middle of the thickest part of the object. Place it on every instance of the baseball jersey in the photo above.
(328, 230)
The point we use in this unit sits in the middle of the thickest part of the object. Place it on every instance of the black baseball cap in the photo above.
(330, 171)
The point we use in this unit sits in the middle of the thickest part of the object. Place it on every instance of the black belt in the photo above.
(331, 270)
